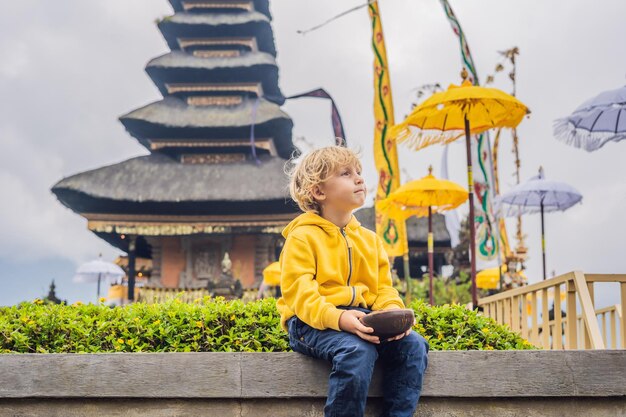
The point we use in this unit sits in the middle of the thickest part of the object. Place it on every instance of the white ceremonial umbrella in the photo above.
(596, 122)
(538, 195)
(98, 271)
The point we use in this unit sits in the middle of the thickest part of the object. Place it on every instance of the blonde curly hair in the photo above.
(315, 168)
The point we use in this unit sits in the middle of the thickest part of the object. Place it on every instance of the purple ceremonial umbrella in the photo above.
(596, 122)
(538, 195)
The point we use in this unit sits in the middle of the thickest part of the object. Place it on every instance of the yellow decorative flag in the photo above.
(392, 232)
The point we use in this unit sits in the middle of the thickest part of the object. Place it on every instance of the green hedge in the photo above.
(209, 325)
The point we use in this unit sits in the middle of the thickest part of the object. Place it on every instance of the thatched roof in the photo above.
(179, 59)
(174, 112)
(215, 19)
(159, 178)
(417, 228)
(181, 67)
(205, 25)
(259, 5)
(172, 118)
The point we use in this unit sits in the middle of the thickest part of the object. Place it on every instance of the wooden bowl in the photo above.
(389, 323)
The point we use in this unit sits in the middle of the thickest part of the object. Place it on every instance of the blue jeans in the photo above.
(404, 362)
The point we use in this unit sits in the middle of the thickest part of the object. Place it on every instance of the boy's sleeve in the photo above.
(300, 290)
(388, 296)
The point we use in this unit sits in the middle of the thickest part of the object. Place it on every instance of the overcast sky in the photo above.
(70, 68)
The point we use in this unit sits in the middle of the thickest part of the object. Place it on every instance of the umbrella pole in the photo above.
(407, 277)
(543, 242)
(132, 242)
(431, 255)
(470, 190)
(98, 291)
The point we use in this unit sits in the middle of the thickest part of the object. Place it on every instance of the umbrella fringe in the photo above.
(582, 138)
(417, 139)
(516, 211)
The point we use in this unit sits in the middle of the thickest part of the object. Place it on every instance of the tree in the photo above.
(460, 253)
(452, 290)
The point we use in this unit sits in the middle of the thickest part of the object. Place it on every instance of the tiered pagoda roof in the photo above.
(173, 123)
(157, 183)
(261, 6)
(176, 73)
(218, 138)
(248, 31)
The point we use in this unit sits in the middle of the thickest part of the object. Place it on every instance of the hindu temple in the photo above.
(214, 180)
(213, 185)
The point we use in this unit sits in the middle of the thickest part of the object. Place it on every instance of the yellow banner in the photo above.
(392, 232)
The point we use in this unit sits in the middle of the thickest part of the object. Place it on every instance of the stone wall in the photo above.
(469, 383)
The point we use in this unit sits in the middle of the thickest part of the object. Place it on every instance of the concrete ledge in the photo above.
(465, 374)
(577, 383)
(295, 407)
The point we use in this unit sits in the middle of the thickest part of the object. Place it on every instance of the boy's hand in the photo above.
(401, 335)
(349, 322)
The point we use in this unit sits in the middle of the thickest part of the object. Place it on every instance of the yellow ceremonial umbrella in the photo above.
(116, 291)
(271, 274)
(419, 198)
(488, 279)
(444, 117)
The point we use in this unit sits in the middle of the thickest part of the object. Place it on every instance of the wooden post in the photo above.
(557, 335)
(525, 334)
(603, 330)
(622, 319)
(612, 324)
(507, 311)
(515, 317)
(535, 325)
(132, 242)
(545, 319)
(571, 338)
(588, 311)
(586, 337)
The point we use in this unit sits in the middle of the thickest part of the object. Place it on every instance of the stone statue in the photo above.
(225, 285)
(226, 264)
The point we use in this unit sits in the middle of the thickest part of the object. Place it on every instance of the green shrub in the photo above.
(453, 327)
(207, 325)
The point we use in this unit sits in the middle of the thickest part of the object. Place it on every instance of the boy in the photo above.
(334, 271)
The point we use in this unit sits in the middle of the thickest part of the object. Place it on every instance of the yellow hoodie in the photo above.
(324, 266)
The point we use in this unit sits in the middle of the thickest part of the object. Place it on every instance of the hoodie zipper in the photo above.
(343, 233)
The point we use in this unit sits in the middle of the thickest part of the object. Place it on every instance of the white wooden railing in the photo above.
(526, 310)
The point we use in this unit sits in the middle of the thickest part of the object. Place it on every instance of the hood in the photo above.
(312, 219)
